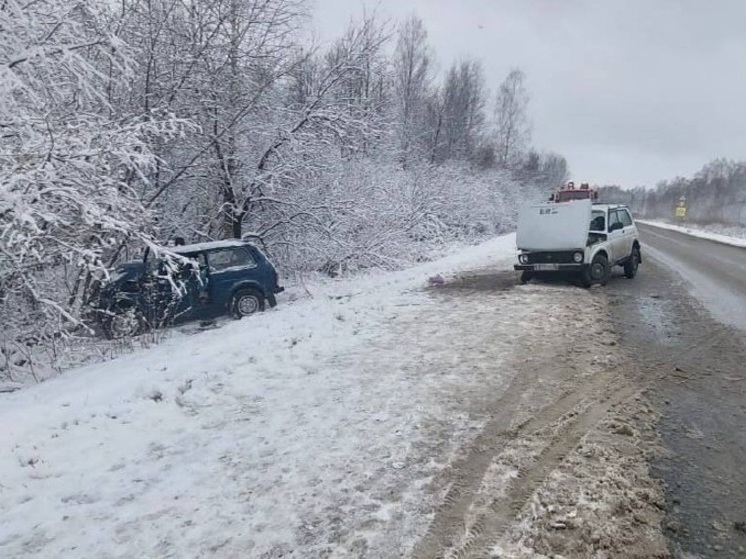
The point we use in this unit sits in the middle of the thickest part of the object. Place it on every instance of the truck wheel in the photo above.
(598, 272)
(246, 302)
(526, 276)
(630, 266)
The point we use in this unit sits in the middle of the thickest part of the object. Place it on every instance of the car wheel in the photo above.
(598, 272)
(123, 323)
(246, 302)
(630, 266)
(526, 276)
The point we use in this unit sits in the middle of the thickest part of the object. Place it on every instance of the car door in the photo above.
(158, 297)
(616, 236)
(227, 267)
(628, 230)
(193, 278)
(173, 288)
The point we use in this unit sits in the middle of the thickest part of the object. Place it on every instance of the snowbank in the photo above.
(705, 232)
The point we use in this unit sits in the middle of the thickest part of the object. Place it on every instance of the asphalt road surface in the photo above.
(683, 321)
(715, 272)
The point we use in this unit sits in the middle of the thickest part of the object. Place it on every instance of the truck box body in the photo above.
(554, 226)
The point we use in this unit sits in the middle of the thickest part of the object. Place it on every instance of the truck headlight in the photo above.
(523, 259)
(577, 257)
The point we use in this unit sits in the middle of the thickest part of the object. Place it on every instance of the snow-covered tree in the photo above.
(512, 127)
(461, 116)
(140, 120)
(412, 76)
(68, 170)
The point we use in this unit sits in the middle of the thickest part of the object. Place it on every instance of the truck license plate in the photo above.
(546, 267)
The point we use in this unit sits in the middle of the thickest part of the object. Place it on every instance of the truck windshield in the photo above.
(598, 221)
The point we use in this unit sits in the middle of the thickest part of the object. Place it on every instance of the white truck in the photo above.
(577, 237)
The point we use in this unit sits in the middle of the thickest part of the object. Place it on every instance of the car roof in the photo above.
(211, 245)
(608, 206)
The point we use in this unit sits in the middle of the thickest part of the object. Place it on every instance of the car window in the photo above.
(625, 218)
(613, 218)
(227, 258)
(196, 262)
(199, 259)
(598, 221)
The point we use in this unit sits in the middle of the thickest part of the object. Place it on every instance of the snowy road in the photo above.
(715, 271)
(379, 419)
(691, 352)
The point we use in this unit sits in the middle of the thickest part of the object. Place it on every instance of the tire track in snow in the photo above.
(451, 518)
(501, 512)
(464, 527)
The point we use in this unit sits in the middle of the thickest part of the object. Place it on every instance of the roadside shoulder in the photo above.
(699, 233)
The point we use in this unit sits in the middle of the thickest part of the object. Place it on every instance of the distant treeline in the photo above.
(716, 194)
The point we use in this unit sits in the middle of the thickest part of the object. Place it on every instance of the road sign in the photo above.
(681, 211)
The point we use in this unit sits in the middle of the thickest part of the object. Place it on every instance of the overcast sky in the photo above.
(630, 91)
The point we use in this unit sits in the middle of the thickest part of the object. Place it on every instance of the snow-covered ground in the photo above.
(307, 431)
(729, 234)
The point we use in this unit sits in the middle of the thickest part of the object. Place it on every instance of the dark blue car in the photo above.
(188, 282)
